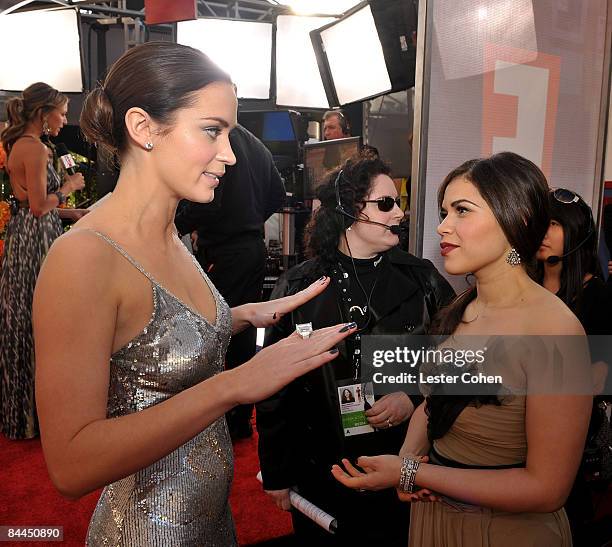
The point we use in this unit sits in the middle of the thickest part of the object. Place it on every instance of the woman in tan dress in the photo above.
(492, 469)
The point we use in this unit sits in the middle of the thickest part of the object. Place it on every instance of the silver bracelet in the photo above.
(408, 474)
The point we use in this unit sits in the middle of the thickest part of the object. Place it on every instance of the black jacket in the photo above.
(300, 435)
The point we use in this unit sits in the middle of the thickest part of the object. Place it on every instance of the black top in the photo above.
(358, 279)
(595, 310)
(248, 193)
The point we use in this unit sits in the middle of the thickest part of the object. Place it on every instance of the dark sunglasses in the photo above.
(565, 196)
(385, 203)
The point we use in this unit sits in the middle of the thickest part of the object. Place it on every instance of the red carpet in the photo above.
(27, 497)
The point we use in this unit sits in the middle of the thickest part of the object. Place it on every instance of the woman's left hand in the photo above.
(423, 495)
(391, 409)
(266, 314)
(379, 472)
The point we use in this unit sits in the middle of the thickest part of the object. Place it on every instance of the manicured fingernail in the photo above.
(322, 280)
(274, 315)
(333, 351)
(350, 326)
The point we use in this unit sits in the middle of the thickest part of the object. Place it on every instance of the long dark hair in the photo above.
(159, 77)
(36, 100)
(578, 229)
(326, 226)
(517, 192)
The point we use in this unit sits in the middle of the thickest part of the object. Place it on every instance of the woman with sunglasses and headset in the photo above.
(353, 239)
(568, 266)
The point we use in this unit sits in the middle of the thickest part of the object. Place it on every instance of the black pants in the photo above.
(370, 519)
(237, 269)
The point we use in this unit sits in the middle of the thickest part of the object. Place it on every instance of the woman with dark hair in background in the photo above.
(384, 291)
(35, 223)
(568, 266)
(493, 468)
(130, 333)
(568, 262)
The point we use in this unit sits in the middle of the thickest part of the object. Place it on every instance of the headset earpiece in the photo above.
(344, 123)
(348, 218)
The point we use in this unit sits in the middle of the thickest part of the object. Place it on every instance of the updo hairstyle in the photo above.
(36, 100)
(159, 77)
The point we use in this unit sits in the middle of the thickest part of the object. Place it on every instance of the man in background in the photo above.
(230, 241)
(335, 125)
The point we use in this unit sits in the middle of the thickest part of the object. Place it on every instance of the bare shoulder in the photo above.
(79, 260)
(26, 148)
(29, 151)
(81, 245)
(548, 314)
(29, 144)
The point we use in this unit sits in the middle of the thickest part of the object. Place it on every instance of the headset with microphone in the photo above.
(395, 229)
(554, 259)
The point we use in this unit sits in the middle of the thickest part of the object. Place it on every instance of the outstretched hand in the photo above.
(266, 314)
(277, 365)
(379, 472)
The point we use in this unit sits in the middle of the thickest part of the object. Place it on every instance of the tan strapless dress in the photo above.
(488, 435)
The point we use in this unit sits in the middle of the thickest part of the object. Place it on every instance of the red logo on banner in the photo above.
(520, 103)
(162, 11)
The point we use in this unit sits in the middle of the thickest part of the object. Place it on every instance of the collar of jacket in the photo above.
(398, 285)
(394, 255)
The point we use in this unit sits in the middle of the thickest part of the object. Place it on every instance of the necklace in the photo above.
(362, 315)
(347, 291)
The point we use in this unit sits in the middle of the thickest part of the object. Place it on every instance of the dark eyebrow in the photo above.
(220, 120)
(458, 201)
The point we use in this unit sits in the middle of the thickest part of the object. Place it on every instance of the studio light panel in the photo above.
(298, 81)
(54, 57)
(242, 48)
(355, 57)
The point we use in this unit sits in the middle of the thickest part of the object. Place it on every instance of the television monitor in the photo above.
(277, 126)
(322, 157)
(282, 131)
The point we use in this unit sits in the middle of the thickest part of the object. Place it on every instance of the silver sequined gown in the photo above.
(181, 499)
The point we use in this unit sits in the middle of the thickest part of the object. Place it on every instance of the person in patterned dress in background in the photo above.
(32, 228)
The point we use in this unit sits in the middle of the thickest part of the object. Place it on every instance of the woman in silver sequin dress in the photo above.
(130, 333)
(40, 110)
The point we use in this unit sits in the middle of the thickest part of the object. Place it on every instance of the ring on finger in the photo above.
(304, 330)
(389, 423)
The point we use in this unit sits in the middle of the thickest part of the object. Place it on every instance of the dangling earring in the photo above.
(45, 128)
(348, 229)
(513, 258)
(149, 145)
